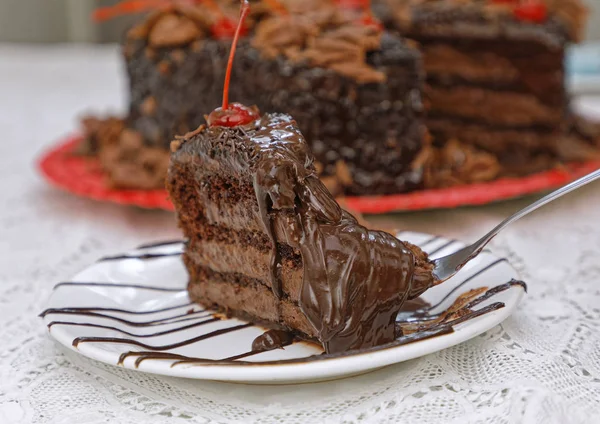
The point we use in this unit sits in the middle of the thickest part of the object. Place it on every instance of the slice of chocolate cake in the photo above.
(267, 242)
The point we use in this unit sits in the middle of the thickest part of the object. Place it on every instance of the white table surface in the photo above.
(541, 366)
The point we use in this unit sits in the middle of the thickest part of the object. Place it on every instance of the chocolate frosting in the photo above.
(182, 24)
(355, 280)
(324, 37)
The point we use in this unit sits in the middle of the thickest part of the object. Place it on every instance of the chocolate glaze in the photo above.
(272, 339)
(355, 280)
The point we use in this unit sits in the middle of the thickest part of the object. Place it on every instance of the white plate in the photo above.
(141, 290)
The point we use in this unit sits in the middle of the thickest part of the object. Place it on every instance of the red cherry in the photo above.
(369, 20)
(531, 12)
(224, 28)
(235, 114)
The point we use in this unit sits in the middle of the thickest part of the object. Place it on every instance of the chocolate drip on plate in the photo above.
(142, 256)
(215, 333)
(272, 339)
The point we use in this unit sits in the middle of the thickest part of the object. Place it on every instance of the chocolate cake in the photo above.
(267, 241)
(489, 73)
(495, 74)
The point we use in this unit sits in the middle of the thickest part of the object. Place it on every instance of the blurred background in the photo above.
(56, 21)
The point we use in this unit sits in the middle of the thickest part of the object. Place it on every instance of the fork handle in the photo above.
(538, 204)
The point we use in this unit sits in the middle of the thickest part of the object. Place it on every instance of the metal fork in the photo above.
(445, 267)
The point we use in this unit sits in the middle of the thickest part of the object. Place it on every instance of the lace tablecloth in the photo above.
(542, 365)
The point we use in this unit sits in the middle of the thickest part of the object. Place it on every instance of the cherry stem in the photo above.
(243, 14)
(277, 7)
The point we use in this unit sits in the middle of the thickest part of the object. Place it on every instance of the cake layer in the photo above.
(244, 298)
(248, 261)
(492, 106)
(499, 65)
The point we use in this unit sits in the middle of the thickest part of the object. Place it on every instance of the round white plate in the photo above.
(136, 299)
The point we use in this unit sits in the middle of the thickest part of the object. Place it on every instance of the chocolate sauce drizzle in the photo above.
(122, 311)
(161, 244)
(159, 348)
(142, 256)
(162, 321)
(120, 285)
(160, 333)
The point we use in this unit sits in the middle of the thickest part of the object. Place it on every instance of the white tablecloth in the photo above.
(542, 365)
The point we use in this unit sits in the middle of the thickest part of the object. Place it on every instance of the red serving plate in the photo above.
(83, 176)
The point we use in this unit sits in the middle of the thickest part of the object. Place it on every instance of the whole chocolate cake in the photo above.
(478, 96)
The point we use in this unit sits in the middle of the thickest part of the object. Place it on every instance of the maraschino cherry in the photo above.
(234, 114)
